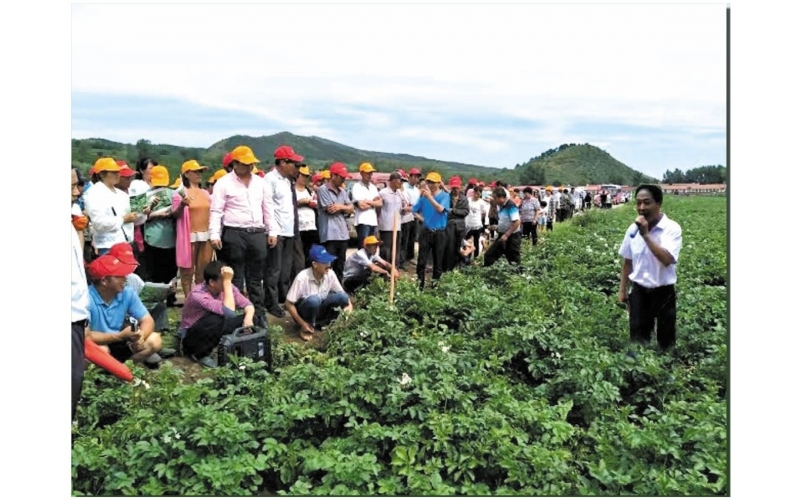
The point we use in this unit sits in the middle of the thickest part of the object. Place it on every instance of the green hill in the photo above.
(578, 164)
(567, 164)
(318, 152)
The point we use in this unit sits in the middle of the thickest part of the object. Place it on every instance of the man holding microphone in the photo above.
(650, 250)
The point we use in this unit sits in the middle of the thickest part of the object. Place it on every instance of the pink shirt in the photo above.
(239, 205)
(201, 303)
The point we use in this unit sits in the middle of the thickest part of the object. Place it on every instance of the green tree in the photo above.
(144, 148)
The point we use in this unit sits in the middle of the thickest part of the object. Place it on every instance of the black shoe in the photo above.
(277, 312)
(259, 321)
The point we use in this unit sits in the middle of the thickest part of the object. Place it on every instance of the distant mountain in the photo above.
(567, 164)
(577, 165)
(319, 153)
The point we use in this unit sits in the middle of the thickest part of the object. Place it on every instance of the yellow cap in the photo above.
(366, 168)
(191, 165)
(371, 240)
(159, 176)
(107, 165)
(326, 174)
(217, 176)
(304, 170)
(243, 154)
(177, 183)
(433, 177)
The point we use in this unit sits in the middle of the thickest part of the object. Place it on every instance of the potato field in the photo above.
(502, 380)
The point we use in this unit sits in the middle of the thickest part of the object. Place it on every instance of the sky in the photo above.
(492, 85)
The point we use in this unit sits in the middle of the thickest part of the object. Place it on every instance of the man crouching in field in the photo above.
(508, 227)
(110, 304)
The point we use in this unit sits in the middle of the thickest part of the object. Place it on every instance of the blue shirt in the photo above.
(506, 217)
(431, 218)
(109, 318)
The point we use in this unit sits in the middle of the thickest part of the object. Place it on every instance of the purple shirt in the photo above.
(200, 303)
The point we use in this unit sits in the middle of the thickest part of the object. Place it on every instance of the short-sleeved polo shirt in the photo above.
(110, 318)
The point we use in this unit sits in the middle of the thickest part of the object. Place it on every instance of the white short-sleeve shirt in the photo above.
(305, 285)
(647, 270)
(365, 193)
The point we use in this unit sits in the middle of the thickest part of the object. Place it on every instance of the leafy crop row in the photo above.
(499, 381)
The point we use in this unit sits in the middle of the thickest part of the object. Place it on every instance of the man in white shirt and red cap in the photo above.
(284, 228)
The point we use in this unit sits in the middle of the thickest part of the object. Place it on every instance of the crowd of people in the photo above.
(271, 242)
(276, 243)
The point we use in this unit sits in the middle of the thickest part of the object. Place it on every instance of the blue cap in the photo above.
(319, 254)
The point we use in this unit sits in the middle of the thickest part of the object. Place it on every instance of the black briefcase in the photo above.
(246, 342)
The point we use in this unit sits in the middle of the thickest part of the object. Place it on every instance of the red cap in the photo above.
(482, 184)
(493, 184)
(126, 171)
(226, 159)
(316, 177)
(287, 153)
(414, 171)
(338, 168)
(122, 163)
(260, 173)
(455, 181)
(123, 252)
(402, 173)
(108, 265)
(473, 181)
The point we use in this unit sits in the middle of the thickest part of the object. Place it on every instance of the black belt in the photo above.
(433, 230)
(247, 229)
(81, 322)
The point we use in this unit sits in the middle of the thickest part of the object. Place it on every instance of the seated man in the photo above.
(315, 293)
(110, 305)
(158, 310)
(359, 267)
(209, 313)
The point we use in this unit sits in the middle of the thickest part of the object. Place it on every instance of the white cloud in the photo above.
(635, 65)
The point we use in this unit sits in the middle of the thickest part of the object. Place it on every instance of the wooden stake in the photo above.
(394, 254)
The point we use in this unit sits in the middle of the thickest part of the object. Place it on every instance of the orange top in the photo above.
(199, 210)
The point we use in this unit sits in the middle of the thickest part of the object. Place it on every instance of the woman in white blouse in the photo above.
(108, 208)
(307, 220)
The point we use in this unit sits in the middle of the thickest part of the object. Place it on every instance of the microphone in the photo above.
(634, 232)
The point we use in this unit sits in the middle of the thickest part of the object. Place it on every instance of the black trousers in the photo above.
(245, 253)
(78, 363)
(475, 234)
(339, 249)
(386, 247)
(351, 285)
(512, 250)
(161, 264)
(410, 232)
(298, 259)
(277, 271)
(455, 234)
(650, 307)
(203, 337)
(308, 238)
(529, 231)
(434, 242)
